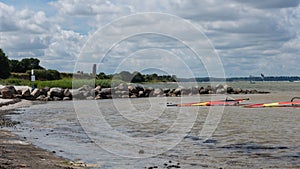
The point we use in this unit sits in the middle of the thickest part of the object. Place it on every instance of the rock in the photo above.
(44, 91)
(41, 98)
(90, 98)
(25, 93)
(76, 94)
(177, 91)
(85, 88)
(19, 91)
(195, 90)
(157, 91)
(141, 94)
(66, 98)
(219, 86)
(56, 92)
(166, 90)
(132, 96)
(124, 92)
(229, 89)
(105, 93)
(98, 97)
(132, 89)
(56, 98)
(96, 91)
(35, 93)
(208, 89)
(238, 91)
(8, 92)
(185, 91)
(148, 91)
(220, 91)
(203, 91)
(67, 93)
(139, 88)
(122, 87)
(98, 88)
(125, 96)
(253, 91)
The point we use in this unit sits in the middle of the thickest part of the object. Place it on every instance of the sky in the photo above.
(188, 38)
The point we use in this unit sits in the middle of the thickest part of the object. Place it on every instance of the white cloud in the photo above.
(244, 33)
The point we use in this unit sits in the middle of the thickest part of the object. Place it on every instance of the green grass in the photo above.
(63, 83)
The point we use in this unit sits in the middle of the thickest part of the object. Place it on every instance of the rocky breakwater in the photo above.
(121, 91)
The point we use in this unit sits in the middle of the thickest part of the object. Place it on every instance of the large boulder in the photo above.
(148, 91)
(105, 93)
(132, 89)
(44, 90)
(228, 89)
(25, 93)
(238, 91)
(56, 92)
(8, 92)
(67, 93)
(35, 93)
(208, 89)
(166, 90)
(96, 90)
(122, 87)
(76, 94)
(41, 98)
(157, 92)
(177, 91)
(220, 91)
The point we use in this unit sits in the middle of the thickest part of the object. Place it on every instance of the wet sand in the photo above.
(16, 152)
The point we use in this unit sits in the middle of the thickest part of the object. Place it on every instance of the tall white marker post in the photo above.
(32, 78)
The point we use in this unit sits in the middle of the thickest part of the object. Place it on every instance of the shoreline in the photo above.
(257, 98)
(16, 152)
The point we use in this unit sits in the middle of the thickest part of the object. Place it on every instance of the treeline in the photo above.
(137, 77)
(125, 76)
(22, 69)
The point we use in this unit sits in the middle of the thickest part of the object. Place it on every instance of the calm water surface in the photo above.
(244, 138)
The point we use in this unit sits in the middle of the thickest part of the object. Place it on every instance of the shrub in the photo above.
(42, 74)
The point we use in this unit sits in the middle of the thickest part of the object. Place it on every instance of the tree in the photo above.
(31, 63)
(24, 65)
(137, 77)
(15, 66)
(4, 66)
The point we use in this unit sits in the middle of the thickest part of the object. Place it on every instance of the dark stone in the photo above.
(8, 92)
(25, 93)
(56, 92)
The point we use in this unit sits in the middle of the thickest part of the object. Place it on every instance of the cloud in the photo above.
(267, 4)
(26, 33)
(250, 36)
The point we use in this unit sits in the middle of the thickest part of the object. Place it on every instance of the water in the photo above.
(139, 133)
